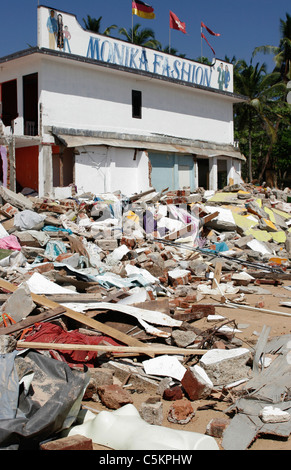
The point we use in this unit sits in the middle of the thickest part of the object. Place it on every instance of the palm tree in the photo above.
(94, 25)
(203, 60)
(171, 50)
(282, 53)
(144, 37)
(262, 108)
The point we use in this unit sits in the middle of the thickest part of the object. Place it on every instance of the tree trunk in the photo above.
(265, 163)
(250, 153)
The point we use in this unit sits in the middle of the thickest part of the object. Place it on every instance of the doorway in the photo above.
(203, 173)
(30, 104)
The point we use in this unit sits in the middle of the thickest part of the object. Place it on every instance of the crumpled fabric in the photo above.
(52, 333)
(10, 243)
(52, 228)
(54, 249)
(29, 220)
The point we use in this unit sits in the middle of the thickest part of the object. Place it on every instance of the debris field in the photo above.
(165, 314)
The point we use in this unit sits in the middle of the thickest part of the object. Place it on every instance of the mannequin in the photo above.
(124, 429)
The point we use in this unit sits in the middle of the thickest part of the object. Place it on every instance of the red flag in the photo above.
(202, 35)
(175, 23)
(209, 30)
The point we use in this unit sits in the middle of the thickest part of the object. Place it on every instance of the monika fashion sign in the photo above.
(149, 61)
(61, 31)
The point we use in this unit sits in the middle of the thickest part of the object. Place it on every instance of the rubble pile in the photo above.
(101, 297)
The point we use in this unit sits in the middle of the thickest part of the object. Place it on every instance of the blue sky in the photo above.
(242, 24)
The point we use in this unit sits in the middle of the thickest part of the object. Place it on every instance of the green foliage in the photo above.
(142, 37)
(262, 122)
(94, 25)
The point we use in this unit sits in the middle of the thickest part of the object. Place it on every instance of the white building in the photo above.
(106, 115)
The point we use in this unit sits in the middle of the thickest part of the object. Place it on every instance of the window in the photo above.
(136, 104)
(9, 102)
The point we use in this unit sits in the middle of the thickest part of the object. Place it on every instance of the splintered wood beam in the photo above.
(145, 349)
(79, 317)
(208, 218)
(217, 274)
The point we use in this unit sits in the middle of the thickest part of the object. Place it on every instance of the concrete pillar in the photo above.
(230, 171)
(196, 174)
(45, 171)
(176, 172)
(237, 171)
(213, 173)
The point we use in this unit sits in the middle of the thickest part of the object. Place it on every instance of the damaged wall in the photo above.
(108, 169)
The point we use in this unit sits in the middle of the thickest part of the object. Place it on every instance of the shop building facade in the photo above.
(100, 114)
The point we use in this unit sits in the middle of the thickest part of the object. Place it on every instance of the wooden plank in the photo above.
(197, 312)
(67, 298)
(179, 233)
(147, 349)
(208, 218)
(285, 276)
(81, 318)
(217, 274)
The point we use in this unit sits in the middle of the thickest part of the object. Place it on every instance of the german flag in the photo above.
(143, 10)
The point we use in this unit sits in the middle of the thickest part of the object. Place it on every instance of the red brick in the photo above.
(43, 268)
(181, 411)
(76, 442)
(191, 298)
(114, 396)
(194, 388)
(129, 242)
(173, 393)
(216, 427)
(203, 309)
(180, 281)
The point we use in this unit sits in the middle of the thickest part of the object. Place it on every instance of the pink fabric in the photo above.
(10, 243)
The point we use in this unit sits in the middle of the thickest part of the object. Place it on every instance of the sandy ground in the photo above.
(252, 323)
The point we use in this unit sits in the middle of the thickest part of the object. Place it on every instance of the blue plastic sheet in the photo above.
(52, 228)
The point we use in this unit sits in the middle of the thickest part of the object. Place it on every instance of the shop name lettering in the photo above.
(137, 58)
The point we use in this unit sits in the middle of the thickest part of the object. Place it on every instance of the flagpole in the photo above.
(201, 40)
(131, 24)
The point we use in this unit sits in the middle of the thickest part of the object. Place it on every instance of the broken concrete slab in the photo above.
(152, 411)
(19, 304)
(183, 339)
(167, 366)
(17, 200)
(226, 366)
(272, 414)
